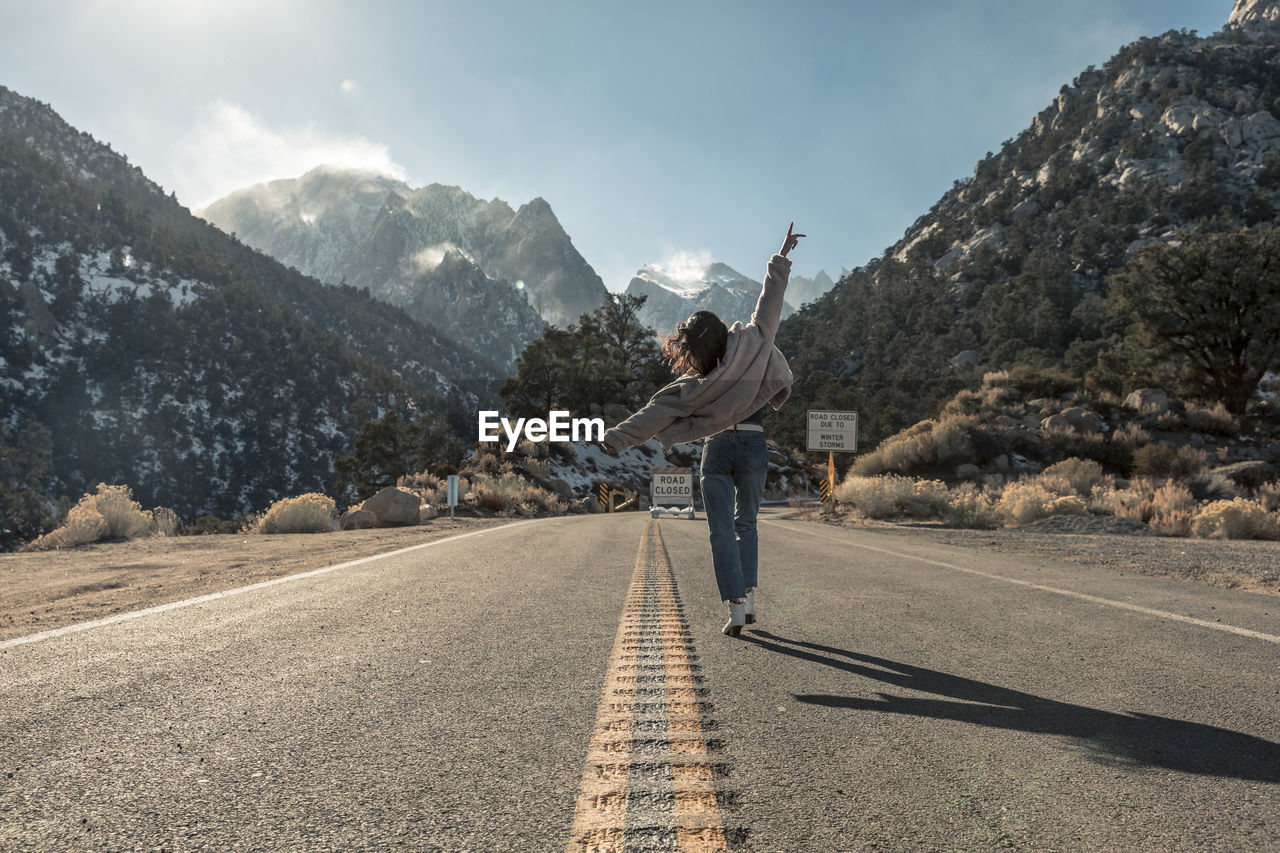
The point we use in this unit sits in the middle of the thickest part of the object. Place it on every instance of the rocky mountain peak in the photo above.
(1249, 12)
(374, 232)
(537, 216)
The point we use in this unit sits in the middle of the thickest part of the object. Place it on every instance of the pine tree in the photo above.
(1207, 304)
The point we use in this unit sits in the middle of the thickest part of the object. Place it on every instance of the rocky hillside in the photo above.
(1010, 266)
(159, 352)
(672, 295)
(378, 234)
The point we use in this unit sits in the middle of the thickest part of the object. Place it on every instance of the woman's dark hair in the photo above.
(697, 344)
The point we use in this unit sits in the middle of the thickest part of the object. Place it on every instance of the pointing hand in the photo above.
(791, 241)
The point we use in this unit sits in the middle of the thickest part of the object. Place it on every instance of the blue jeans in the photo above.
(734, 466)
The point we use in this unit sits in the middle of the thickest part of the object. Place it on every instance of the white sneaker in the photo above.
(737, 618)
(750, 606)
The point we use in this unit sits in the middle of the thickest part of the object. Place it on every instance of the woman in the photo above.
(727, 377)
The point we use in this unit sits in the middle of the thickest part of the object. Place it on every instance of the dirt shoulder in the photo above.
(50, 589)
(1249, 565)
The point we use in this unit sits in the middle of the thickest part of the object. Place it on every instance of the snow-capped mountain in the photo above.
(159, 352)
(377, 233)
(674, 294)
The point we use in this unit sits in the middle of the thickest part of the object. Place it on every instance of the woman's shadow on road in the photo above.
(1128, 738)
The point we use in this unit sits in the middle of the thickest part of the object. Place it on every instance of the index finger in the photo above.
(789, 227)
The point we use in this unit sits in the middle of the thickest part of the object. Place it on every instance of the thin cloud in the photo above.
(347, 85)
(684, 266)
(230, 148)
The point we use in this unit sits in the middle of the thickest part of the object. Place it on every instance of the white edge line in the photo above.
(1123, 605)
(213, 596)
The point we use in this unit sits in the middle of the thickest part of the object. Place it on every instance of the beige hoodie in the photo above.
(752, 373)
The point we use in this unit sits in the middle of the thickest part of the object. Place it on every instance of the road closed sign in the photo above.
(672, 487)
(834, 432)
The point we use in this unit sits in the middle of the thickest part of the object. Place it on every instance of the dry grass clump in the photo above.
(971, 507)
(1081, 475)
(109, 512)
(1172, 508)
(492, 485)
(1268, 495)
(84, 524)
(1082, 445)
(940, 443)
(509, 494)
(891, 496)
(996, 397)
(1024, 501)
(1130, 436)
(164, 522)
(429, 488)
(1077, 488)
(309, 513)
(539, 469)
(1133, 502)
(1239, 518)
(125, 518)
(1167, 506)
(1212, 419)
(1162, 462)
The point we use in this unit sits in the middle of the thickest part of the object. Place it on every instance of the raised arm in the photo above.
(656, 415)
(769, 305)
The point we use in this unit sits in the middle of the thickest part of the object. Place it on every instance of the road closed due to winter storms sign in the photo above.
(834, 432)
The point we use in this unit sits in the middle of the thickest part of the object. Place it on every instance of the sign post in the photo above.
(834, 432)
(671, 488)
(453, 493)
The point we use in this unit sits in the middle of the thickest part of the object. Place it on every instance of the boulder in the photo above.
(1252, 12)
(427, 512)
(968, 471)
(1260, 127)
(1055, 423)
(394, 507)
(1148, 400)
(1233, 133)
(357, 519)
(561, 488)
(1250, 474)
(1083, 420)
(1141, 112)
(1025, 209)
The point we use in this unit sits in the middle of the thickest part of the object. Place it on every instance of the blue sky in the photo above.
(656, 130)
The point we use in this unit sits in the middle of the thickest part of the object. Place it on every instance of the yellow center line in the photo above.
(650, 781)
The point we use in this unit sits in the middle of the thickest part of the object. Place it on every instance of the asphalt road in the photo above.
(896, 695)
